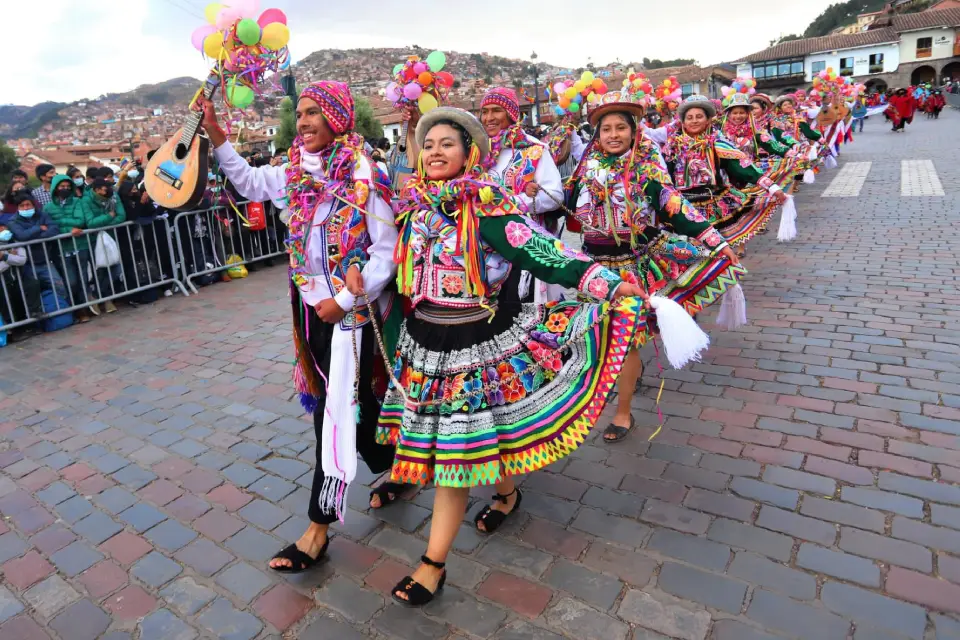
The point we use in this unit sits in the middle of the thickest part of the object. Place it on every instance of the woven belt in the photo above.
(436, 314)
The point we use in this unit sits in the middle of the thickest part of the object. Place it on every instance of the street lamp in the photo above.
(536, 89)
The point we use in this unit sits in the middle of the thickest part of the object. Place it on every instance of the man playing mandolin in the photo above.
(341, 239)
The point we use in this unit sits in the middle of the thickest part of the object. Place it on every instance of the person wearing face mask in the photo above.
(30, 224)
(13, 305)
(103, 208)
(341, 242)
(66, 210)
(637, 224)
(41, 195)
(76, 176)
(484, 391)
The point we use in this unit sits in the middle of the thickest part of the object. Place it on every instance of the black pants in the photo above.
(378, 457)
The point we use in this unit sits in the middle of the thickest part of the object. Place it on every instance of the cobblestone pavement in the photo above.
(807, 482)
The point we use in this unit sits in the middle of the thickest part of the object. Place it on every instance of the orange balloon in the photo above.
(425, 78)
(564, 102)
(596, 84)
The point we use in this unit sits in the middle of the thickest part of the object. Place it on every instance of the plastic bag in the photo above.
(107, 252)
(256, 216)
(237, 271)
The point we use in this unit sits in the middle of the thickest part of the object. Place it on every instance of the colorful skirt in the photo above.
(482, 400)
(672, 266)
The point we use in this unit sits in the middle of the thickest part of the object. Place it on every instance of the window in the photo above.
(846, 66)
(686, 90)
(796, 68)
(775, 69)
(876, 63)
(818, 66)
(758, 72)
(924, 47)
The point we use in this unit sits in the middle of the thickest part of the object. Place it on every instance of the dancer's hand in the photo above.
(728, 253)
(329, 311)
(532, 189)
(627, 290)
(355, 281)
(780, 197)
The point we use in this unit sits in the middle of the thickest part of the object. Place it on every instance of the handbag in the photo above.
(256, 216)
(107, 251)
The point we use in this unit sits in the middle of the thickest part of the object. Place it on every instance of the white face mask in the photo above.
(133, 174)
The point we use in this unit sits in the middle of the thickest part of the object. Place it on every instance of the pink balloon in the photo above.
(392, 93)
(412, 91)
(245, 8)
(420, 67)
(226, 17)
(196, 38)
(270, 16)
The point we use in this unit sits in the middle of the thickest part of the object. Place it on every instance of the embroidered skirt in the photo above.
(482, 400)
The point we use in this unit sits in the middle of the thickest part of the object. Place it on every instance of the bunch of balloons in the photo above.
(637, 85)
(571, 95)
(746, 86)
(244, 46)
(420, 82)
(669, 90)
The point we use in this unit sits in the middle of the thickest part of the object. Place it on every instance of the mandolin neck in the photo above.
(193, 123)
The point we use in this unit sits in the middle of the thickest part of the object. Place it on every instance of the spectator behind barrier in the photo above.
(30, 224)
(45, 174)
(67, 211)
(76, 177)
(19, 299)
(18, 184)
(102, 208)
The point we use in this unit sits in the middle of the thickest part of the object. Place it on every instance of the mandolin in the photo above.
(176, 176)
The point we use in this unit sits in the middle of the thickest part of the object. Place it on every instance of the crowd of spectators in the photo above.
(63, 216)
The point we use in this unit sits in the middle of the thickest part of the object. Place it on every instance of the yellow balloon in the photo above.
(213, 45)
(276, 35)
(427, 102)
(211, 12)
(587, 77)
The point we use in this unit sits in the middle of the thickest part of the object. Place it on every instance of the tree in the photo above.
(367, 124)
(287, 130)
(8, 164)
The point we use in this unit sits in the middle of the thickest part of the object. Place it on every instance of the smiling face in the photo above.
(616, 135)
(494, 119)
(444, 154)
(312, 126)
(758, 108)
(695, 121)
(737, 115)
(787, 106)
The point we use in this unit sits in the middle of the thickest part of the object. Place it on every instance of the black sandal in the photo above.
(383, 492)
(492, 519)
(618, 432)
(417, 594)
(299, 560)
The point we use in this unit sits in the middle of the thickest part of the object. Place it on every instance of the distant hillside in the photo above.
(845, 13)
(24, 122)
(177, 91)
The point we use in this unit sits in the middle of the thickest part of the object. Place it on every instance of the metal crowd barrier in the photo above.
(953, 99)
(58, 265)
(214, 240)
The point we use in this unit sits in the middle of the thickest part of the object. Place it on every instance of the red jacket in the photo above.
(905, 105)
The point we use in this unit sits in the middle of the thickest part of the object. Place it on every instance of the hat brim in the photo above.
(705, 105)
(783, 99)
(638, 111)
(463, 118)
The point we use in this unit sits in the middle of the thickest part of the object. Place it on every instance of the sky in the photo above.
(66, 50)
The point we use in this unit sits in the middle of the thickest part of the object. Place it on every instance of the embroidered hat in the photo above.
(736, 100)
(618, 101)
(463, 118)
(762, 97)
(336, 104)
(505, 98)
(787, 97)
(698, 102)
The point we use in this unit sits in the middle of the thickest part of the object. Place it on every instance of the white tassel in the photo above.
(682, 339)
(830, 162)
(809, 177)
(524, 288)
(788, 221)
(733, 309)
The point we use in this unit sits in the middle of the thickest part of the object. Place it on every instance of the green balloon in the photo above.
(397, 69)
(240, 96)
(574, 107)
(248, 31)
(436, 60)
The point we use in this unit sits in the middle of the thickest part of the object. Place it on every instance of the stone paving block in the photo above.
(924, 534)
(170, 535)
(751, 538)
(160, 492)
(946, 628)
(609, 527)
(55, 494)
(707, 588)
(799, 480)
(242, 474)
(230, 497)
(134, 476)
(164, 625)
(97, 527)
(11, 546)
(554, 539)
(263, 514)
(187, 596)
(616, 502)
(243, 580)
(938, 492)
(250, 451)
(32, 520)
(897, 552)
(795, 525)
(200, 480)
(526, 598)
(155, 569)
(214, 460)
(735, 630)
(838, 512)
(838, 564)
(523, 630)
(26, 570)
(667, 515)
(519, 559)
(672, 620)
(883, 500)
(750, 488)
(408, 624)
(774, 576)
(594, 588)
(103, 578)
(53, 538)
(51, 596)
(692, 549)
(945, 516)
(875, 610)
(719, 504)
(9, 605)
(554, 509)
(75, 558)
(82, 620)
(23, 627)
(634, 568)
(142, 516)
(130, 603)
(579, 620)
(110, 463)
(225, 621)
(795, 619)
(74, 509)
(403, 515)
(272, 488)
(253, 545)
(351, 600)
(285, 467)
(115, 500)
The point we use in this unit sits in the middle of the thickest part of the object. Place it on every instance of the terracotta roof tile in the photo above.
(800, 48)
(927, 20)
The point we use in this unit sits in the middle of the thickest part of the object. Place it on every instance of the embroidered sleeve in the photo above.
(599, 282)
(674, 211)
(712, 239)
(547, 258)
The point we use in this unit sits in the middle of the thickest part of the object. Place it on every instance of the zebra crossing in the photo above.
(917, 178)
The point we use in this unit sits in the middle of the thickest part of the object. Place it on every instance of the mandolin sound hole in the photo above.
(181, 151)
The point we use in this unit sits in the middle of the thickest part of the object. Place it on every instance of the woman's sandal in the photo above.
(493, 519)
(388, 492)
(618, 432)
(299, 560)
(417, 594)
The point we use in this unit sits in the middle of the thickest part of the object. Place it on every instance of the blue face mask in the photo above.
(133, 173)
(27, 213)
(6, 235)
(78, 181)
(210, 177)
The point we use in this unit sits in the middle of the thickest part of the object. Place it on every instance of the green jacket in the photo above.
(68, 214)
(97, 210)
